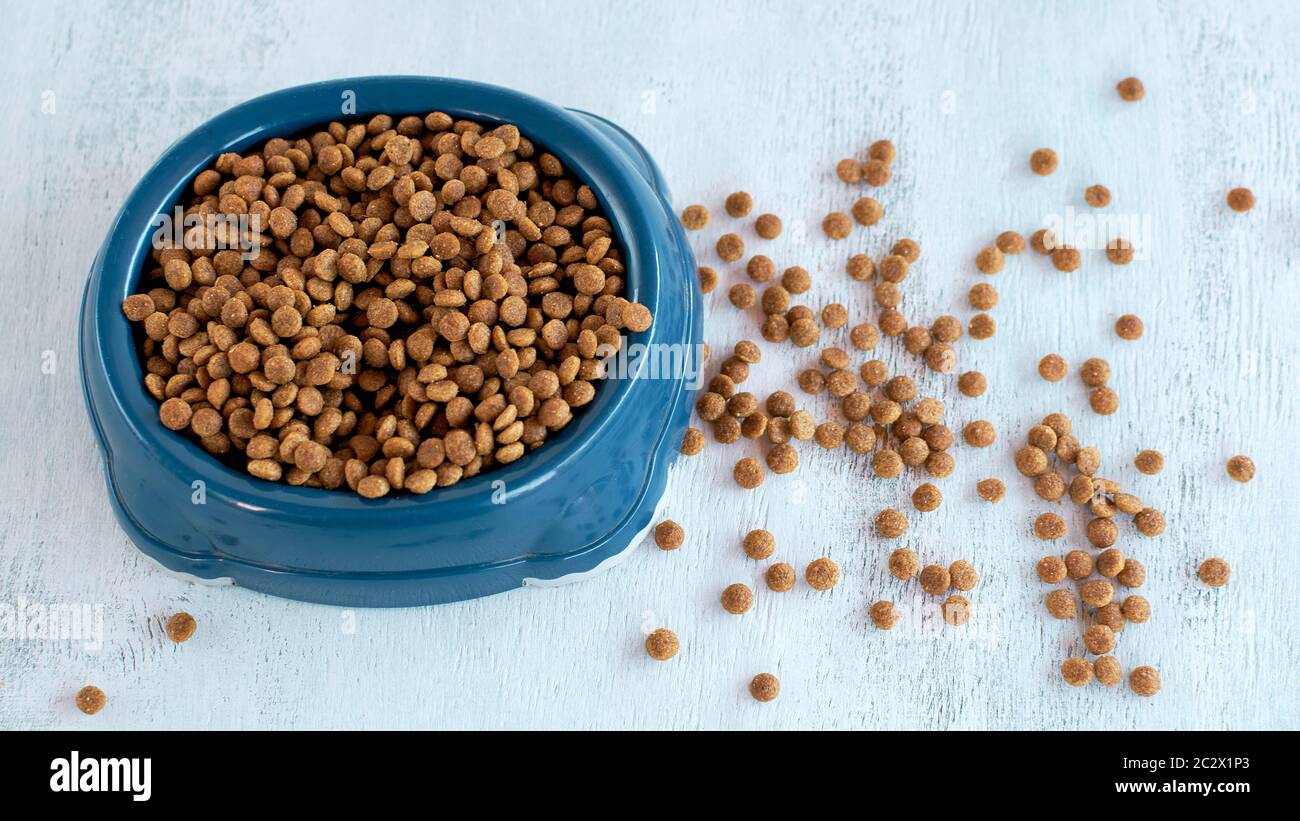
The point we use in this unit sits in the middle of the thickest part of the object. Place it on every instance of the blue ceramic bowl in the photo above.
(563, 510)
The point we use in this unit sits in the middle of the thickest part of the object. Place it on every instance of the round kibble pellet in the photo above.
(822, 574)
(837, 225)
(963, 575)
(742, 295)
(180, 627)
(935, 579)
(1095, 372)
(1112, 616)
(1111, 562)
(760, 268)
(748, 473)
(695, 217)
(903, 563)
(738, 204)
(1043, 241)
(1133, 575)
(1130, 89)
(1061, 604)
(1145, 681)
(1136, 609)
(1077, 672)
(780, 577)
(989, 260)
(662, 644)
(1129, 326)
(1010, 242)
(1049, 527)
(867, 211)
(1043, 161)
(768, 226)
(876, 172)
(927, 497)
(849, 170)
(1049, 486)
(1214, 572)
(1149, 522)
(979, 434)
(1149, 462)
(90, 699)
(730, 247)
(1066, 259)
(764, 687)
(1099, 639)
(1104, 533)
(1241, 199)
(882, 150)
(1108, 671)
(669, 535)
(1097, 196)
(983, 296)
(692, 442)
(1120, 251)
(1097, 592)
(1051, 569)
(884, 615)
(759, 544)
(1241, 468)
(737, 598)
(1078, 565)
(1053, 367)
(972, 384)
(890, 523)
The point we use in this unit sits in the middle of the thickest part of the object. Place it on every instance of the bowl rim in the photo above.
(587, 154)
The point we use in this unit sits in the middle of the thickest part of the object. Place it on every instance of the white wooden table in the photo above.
(766, 97)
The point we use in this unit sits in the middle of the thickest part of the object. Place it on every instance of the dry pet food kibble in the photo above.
(935, 579)
(1129, 326)
(1061, 604)
(764, 687)
(1214, 572)
(768, 226)
(1043, 161)
(759, 544)
(427, 303)
(1130, 89)
(1076, 672)
(884, 615)
(989, 260)
(738, 204)
(963, 575)
(780, 577)
(1049, 526)
(1052, 367)
(662, 644)
(890, 523)
(1241, 468)
(972, 384)
(822, 574)
(1145, 681)
(730, 247)
(903, 563)
(669, 535)
(695, 217)
(1051, 569)
(867, 211)
(1108, 671)
(837, 225)
(737, 598)
(180, 627)
(748, 473)
(956, 610)
(1241, 199)
(1010, 242)
(1098, 196)
(90, 699)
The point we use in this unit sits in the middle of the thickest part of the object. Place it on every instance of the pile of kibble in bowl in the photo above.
(410, 303)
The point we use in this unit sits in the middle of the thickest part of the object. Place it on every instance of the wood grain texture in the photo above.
(765, 96)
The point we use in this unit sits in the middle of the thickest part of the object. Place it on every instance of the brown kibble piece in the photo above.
(1049, 527)
(963, 575)
(956, 610)
(180, 627)
(1145, 681)
(1103, 401)
(983, 296)
(737, 598)
(1104, 533)
(849, 170)
(822, 574)
(768, 226)
(764, 687)
(972, 383)
(1066, 259)
(780, 577)
(1095, 372)
(1010, 242)
(748, 473)
(692, 442)
(979, 434)
(738, 204)
(695, 217)
(1111, 562)
(1150, 522)
(884, 615)
(1129, 326)
(989, 260)
(1098, 196)
(1043, 161)
(1076, 672)
(90, 699)
(927, 497)
(991, 490)
(730, 247)
(935, 579)
(1136, 609)
(1241, 199)
(903, 563)
(1078, 565)
(1061, 604)
(983, 326)
(837, 225)
(876, 172)
(1130, 89)
(669, 535)
(1097, 592)
(890, 523)
(1053, 367)
(662, 644)
(1214, 572)
(759, 544)
(866, 211)
(1133, 575)
(1043, 241)
(1051, 569)
(1099, 639)
(1120, 251)
(1241, 468)
(708, 279)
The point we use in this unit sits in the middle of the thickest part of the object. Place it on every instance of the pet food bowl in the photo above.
(559, 513)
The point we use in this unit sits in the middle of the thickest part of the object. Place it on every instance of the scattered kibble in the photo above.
(1061, 604)
(1053, 367)
(695, 217)
(890, 523)
(991, 490)
(972, 383)
(956, 610)
(935, 579)
(1066, 259)
(764, 687)
(1214, 572)
(979, 434)
(866, 211)
(884, 615)
(662, 644)
(1120, 251)
(737, 598)
(669, 535)
(692, 442)
(1134, 573)
(180, 627)
(837, 225)
(738, 204)
(1096, 592)
(1241, 468)
(876, 172)
(1129, 326)
(1078, 564)
(759, 544)
(780, 577)
(768, 226)
(1108, 671)
(1103, 401)
(1150, 522)
(730, 247)
(927, 497)
(1241, 199)
(90, 699)
(708, 279)
(983, 326)
(1051, 569)
(1130, 89)
(1136, 609)
(1043, 161)
(849, 170)
(1043, 241)
(1098, 196)
(1010, 242)
(1076, 671)
(989, 260)
(1145, 681)
(963, 575)
(1099, 639)
(822, 574)
(1049, 527)
(903, 563)
(748, 473)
